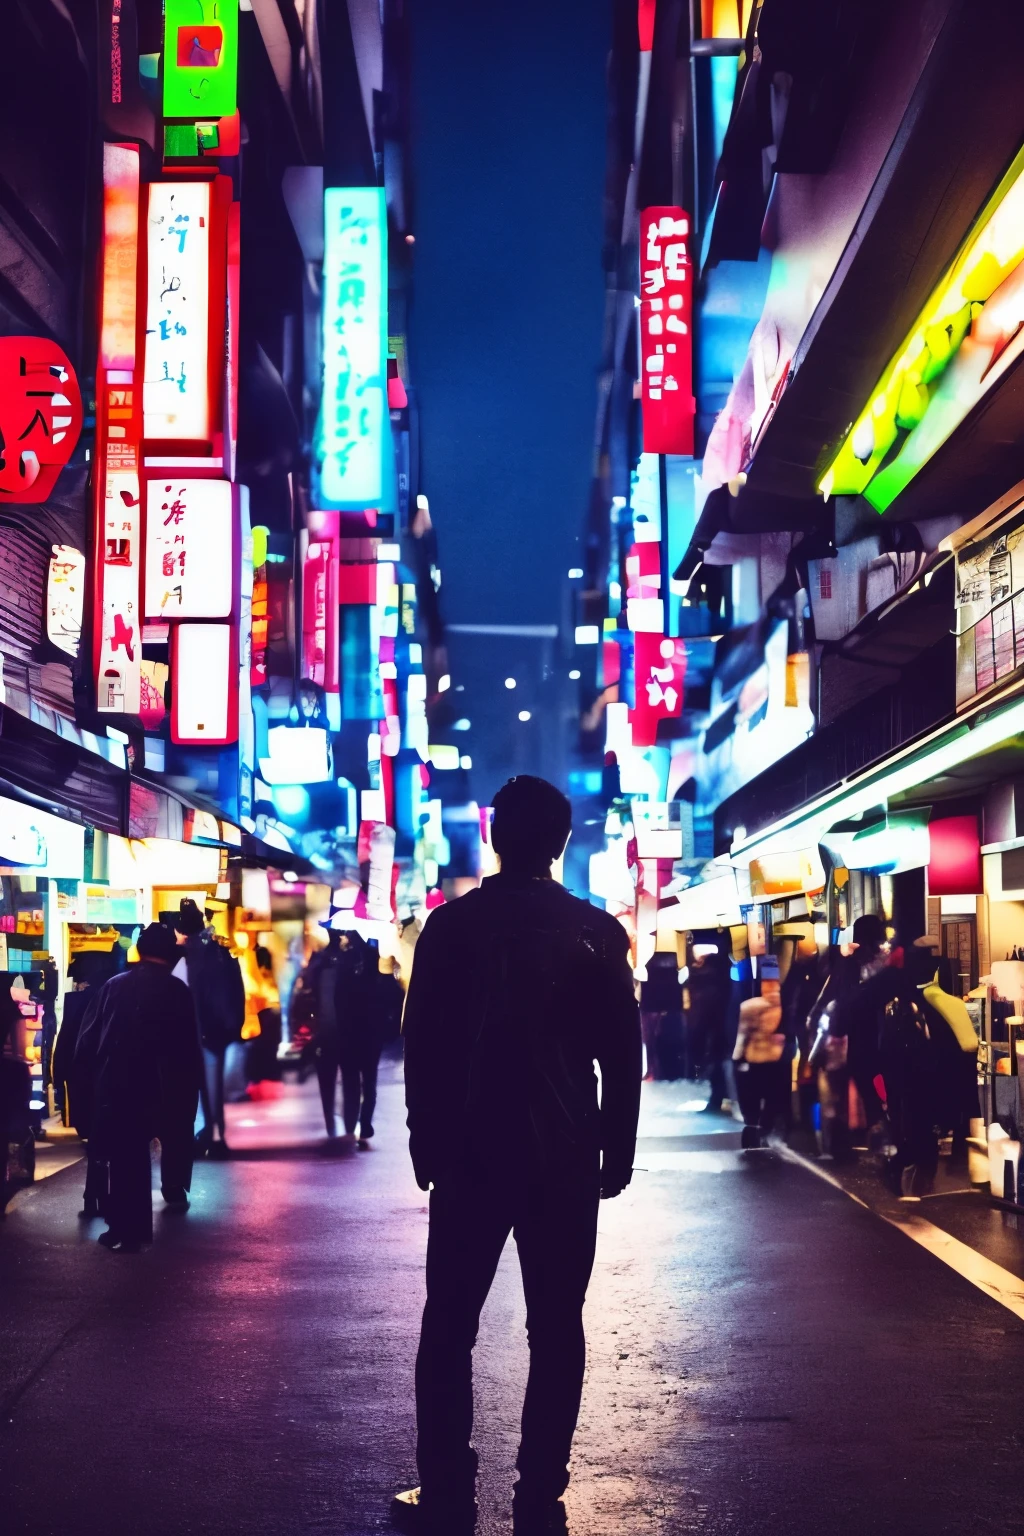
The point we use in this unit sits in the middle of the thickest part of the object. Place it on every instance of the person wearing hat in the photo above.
(214, 978)
(140, 1047)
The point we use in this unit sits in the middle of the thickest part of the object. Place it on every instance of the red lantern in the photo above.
(40, 416)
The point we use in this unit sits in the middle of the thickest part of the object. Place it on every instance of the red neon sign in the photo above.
(666, 331)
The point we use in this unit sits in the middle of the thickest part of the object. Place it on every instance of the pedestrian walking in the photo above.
(661, 1018)
(215, 980)
(139, 1047)
(762, 1063)
(87, 973)
(709, 985)
(349, 988)
(517, 989)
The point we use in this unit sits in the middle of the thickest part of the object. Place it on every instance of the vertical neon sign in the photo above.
(354, 412)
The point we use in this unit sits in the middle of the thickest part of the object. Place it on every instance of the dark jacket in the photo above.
(76, 1006)
(218, 991)
(517, 989)
(138, 1051)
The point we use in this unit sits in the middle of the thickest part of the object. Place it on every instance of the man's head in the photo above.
(189, 920)
(157, 943)
(532, 822)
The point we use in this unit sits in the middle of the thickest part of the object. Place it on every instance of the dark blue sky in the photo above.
(509, 113)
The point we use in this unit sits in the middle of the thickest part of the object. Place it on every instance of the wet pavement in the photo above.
(766, 1354)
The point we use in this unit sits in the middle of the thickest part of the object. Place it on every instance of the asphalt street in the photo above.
(766, 1354)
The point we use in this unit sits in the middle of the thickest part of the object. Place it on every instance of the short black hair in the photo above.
(157, 942)
(532, 822)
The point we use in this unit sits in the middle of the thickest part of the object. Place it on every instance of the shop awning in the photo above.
(957, 756)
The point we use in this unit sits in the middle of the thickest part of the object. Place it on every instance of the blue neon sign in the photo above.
(355, 425)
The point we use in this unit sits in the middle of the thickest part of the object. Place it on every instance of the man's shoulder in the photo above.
(596, 920)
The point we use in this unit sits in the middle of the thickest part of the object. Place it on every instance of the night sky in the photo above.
(509, 113)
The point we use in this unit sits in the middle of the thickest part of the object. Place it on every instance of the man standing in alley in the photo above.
(214, 978)
(517, 989)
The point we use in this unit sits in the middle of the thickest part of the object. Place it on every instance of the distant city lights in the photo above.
(444, 683)
(576, 573)
(465, 761)
(510, 682)
(461, 725)
(587, 634)
(574, 675)
(524, 714)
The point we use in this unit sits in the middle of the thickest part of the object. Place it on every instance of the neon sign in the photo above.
(176, 402)
(204, 664)
(200, 58)
(40, 416)
(666, 331)
(354, 413)
(964, 340)
(65, 596)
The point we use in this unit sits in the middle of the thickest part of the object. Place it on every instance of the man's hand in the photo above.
(613, 1183)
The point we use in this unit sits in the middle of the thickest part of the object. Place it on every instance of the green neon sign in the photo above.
(200, 58)
(962, 342)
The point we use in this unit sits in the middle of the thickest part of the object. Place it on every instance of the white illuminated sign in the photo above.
(38, 841)
(205, 684)
(190, 549)
(354, 411)
(175, 395)
(298, 755)
(65, 595)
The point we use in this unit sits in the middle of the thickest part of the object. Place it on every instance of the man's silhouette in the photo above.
(517, 989)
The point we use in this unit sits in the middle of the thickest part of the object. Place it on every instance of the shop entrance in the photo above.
(960, 947)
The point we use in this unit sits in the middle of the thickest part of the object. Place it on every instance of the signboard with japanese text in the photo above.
(118, 648)
(176, 389)
(191, 548)
(65, 597)
(200, 58)
(660, 667)
(40, 417)
(354, 421)
(666, 339)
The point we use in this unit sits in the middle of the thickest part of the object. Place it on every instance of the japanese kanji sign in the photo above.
(666, 340)
(660, 667)
(192, 548)
(176, 403)
(40, 416)
(65, 595)
(354, 418)
(204, 689)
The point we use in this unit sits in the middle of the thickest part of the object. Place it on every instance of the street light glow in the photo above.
(524, 714)
(510, 682)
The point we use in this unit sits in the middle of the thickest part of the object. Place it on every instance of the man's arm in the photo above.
(426, 1050)
(621, 1061)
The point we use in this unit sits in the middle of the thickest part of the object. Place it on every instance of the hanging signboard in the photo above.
(191, 549)
(65, 595)
(204, 667)
(200, 58)
(176, 390)
(120, 255)
(40, 417)
(660, 667)
(666, 340)
(354, 419)
(320, 601)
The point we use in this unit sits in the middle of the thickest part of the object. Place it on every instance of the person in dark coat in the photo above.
(140, 1048)
(87, 973)
(214, 978)
(661, 1018)
(710, 987)
(516, 990)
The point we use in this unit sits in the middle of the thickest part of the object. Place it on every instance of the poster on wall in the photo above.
(989, 611)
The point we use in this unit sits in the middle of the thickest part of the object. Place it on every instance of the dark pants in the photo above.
(212, 1094)
(555, 1227)
(357, 1060)
(177, 1150)
(762, 1088)
(128, 1201)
